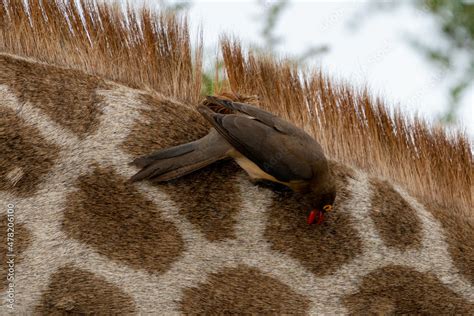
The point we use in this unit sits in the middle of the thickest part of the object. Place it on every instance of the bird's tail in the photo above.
(174, 162)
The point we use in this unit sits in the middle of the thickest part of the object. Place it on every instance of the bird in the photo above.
(266, 146)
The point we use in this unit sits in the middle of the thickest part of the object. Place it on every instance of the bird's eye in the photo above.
(327, 208)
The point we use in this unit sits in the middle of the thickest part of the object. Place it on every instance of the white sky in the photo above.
(376, 54)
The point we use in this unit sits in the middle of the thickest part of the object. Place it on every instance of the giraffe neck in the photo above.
(86, 240)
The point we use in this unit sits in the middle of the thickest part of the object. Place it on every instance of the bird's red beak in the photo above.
(317, 216)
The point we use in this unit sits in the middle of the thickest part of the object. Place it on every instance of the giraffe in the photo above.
(88, 241)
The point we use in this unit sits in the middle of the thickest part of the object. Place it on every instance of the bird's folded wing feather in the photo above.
(261, 115)
(276, 153)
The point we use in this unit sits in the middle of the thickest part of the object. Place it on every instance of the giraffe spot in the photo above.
(459, 232)
(67, 96)
(242, 290)
(342, 174)
(26, 156)
(396, 222)
(79, 292)
(163, 124)
(209, 198)
(108, 214)
(404, 291)
(322, 249)
(13, 242)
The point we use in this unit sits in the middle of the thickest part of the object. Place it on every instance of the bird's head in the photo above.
(324, 195)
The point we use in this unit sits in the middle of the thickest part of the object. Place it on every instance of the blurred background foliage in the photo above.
(452, 55)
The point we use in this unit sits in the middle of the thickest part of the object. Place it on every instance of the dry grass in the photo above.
(144, 50)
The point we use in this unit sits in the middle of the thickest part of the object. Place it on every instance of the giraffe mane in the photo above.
(139, 48)
(144, 50)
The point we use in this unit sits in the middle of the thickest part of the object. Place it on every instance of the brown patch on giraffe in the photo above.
(79, 292)
(395, 220)
(320, 248)
(26, 156)
(209, 198)
(459, 232)
(163, 123)
(110, 215)
(21, 240)
(404, 291)
(342, 174)
(242, 290)
(67, 96)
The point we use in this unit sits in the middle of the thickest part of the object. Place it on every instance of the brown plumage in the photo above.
(264, 145)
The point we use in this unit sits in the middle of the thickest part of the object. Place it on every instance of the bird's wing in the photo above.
(261, 115)
(280, 155)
